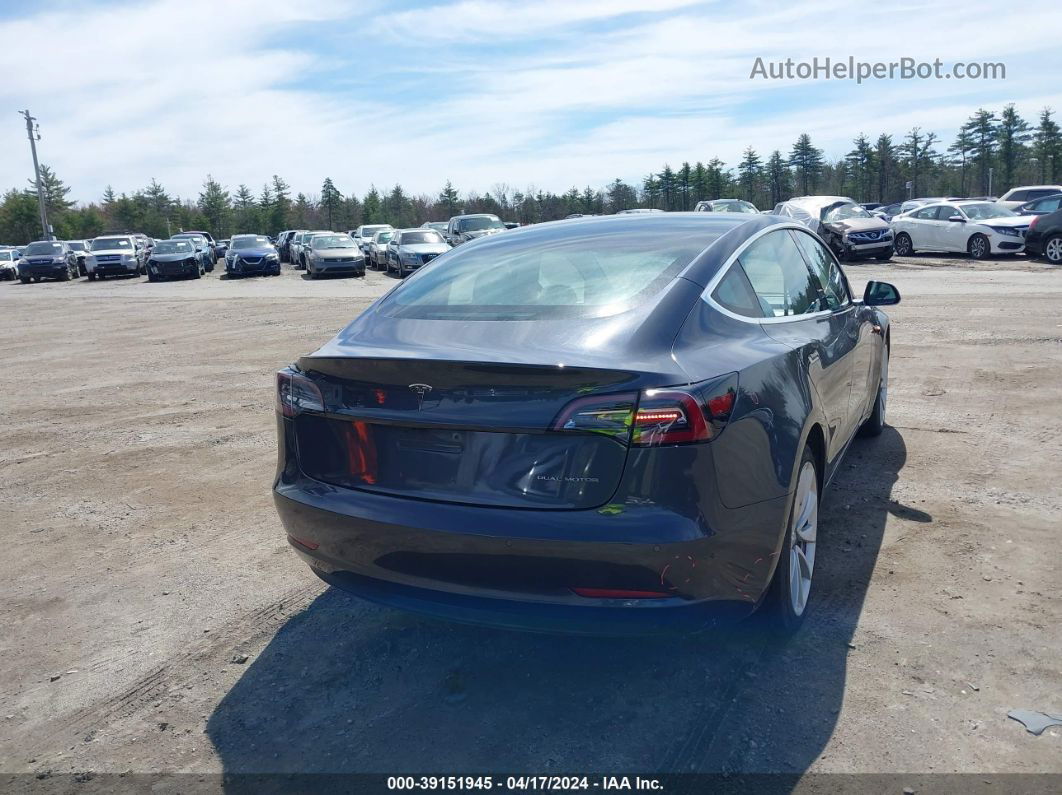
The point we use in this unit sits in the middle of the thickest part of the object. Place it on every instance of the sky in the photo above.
(545, 94)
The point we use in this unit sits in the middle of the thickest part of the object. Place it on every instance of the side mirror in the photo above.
(958, 219)
(880, 294)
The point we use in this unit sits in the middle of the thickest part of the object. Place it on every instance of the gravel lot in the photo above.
(143, 558)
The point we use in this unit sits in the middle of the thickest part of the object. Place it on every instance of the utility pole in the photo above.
(990, 169)
(33, 130)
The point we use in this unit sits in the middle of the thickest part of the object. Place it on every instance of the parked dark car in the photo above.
(609, 424)
(80, 249)
(172, 258)
(47, 259)
(222, 248)
(462, 228)
(284, 243)
(334, 253)
(251, 255)
(1044, 237)
(202, 245)
(1042, 206)
(212, 245)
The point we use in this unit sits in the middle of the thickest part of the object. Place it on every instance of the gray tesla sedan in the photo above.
(614, 424)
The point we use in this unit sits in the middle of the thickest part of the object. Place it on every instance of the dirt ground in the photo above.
(142, 558)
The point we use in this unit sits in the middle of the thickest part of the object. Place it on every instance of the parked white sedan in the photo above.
(978, 228)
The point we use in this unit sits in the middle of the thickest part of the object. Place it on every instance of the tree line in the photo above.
(991, 153)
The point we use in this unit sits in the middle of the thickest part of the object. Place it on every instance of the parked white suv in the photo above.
(113, 255)
(1015, 197)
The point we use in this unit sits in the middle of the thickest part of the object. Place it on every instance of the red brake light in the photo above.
(669, 416)
(296, 393)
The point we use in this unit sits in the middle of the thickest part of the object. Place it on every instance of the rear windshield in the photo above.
(478, 224)
(76, 245)
(591, 274)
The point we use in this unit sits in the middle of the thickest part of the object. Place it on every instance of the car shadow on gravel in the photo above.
(349, 687)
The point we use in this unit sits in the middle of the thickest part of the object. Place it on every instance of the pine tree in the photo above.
(860, 163)
(779, 177)
(1013, 135)
(301, 211)
(807, 160)
(244, 210)
(718, 181)
(959, 151)
(449, 199)
(651, 190)
(683, 184)
(1047, 144)
(215, 206)
(885, 159)
(667, 187)
(698, 183)
(330, 201)
(750, 175)
(620, 196)
(281, 209)
(372, 212)
(984, 130)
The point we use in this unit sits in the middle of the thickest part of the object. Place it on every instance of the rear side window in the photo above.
(1019, 196)
(777, 271)
(736, 294)
(1048, 205)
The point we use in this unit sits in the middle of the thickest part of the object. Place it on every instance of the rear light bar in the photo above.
(655, 417)
(297, 393)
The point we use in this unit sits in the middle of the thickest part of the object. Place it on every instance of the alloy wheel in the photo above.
(803, 538)
(1053, 250)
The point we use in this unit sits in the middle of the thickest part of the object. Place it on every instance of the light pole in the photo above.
(33, 130)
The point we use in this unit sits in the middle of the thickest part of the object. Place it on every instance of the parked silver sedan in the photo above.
(376, 248)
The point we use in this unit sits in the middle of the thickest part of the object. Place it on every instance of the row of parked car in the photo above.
(1025, 219)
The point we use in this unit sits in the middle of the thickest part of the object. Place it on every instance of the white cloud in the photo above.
(551, 94)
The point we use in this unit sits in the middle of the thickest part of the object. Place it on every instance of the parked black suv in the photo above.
(47, 259)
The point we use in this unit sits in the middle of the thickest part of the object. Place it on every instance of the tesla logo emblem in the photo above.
(420, 390)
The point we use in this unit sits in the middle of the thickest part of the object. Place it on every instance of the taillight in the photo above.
(655, 417)
(609, 415)
(296, 393)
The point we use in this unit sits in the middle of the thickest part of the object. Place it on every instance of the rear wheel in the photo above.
(65, 276)
(903, 246)
(24, 279)
(791, 588)
(1053, 250)
(979, 247)
(92, 277)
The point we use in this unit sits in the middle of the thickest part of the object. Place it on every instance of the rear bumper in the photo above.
(115, 268)
(517, 568)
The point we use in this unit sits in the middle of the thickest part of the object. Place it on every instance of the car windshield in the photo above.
(39, 249)
(6, 256)
(592, 274)
(420, 237)
(332, 241)
(369, 231)
(477, 224)
(844, 212)
(250, 241)
(984, 210)
(76, 245)
(173, 247)
(382, 237)
(110, 243)
(735, 206)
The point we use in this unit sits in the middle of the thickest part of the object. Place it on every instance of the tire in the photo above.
(790, 590)
(1053, 249)
(197, 273)
(92, 277)
(65, 277)
(152, 277)
(102, 277)
(978, 247)
(81, 269)
(903, 247)
(875, 423)
(24, 279)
